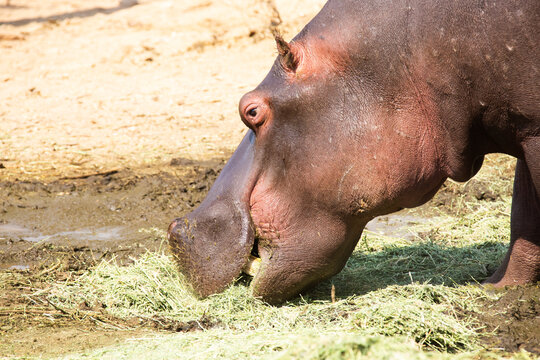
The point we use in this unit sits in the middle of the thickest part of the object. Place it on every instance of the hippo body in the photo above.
(368, 110)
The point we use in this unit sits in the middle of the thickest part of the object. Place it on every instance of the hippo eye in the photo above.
(252, 112)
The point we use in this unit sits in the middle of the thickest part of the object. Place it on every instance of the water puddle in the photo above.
(7, 230)
(100, 234)
(19, 267)
(395, 225)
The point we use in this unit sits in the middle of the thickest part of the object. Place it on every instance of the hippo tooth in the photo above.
(252, 266)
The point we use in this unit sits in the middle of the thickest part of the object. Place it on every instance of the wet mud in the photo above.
(51, 232)
(513, 322)
(83, 220)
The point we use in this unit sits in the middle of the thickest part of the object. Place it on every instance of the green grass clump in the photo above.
(424, 313)
(305, 344)
(151, 286)
(445, 250)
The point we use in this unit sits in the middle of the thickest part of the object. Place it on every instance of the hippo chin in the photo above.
(367, 111)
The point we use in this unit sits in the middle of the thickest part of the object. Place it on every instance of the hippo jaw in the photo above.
(297, 243)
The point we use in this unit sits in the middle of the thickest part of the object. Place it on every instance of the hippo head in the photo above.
(323, 155)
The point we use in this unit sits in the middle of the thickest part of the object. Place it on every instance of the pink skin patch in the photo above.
(316, 57)
(268, 213)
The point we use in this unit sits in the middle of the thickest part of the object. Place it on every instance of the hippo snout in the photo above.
(212, 244)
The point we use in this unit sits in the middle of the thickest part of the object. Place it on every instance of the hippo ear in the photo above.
(286, 54)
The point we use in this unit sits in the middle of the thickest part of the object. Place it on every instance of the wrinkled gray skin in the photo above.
(367, 111)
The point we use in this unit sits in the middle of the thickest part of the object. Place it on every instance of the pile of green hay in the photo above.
(152, 287)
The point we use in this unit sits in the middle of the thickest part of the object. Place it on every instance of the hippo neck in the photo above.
(463, 75)
(478, 77)
(468, 76)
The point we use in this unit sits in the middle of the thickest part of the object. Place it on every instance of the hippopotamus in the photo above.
(368, 110)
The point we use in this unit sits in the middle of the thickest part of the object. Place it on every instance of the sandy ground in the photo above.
(90, 86)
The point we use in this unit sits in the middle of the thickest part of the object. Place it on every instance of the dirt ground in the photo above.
(90, 86)
(116, 117)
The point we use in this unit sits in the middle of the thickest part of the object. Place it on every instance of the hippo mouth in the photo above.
(254, 262)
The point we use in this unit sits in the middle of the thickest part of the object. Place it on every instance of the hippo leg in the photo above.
(522, 262)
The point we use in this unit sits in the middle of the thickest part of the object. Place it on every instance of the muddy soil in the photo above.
(515, 320)
(84, 220)
(52, 232)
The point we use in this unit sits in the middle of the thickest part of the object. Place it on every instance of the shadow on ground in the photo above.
(425, 262)
(124, 4)
(509, 323)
